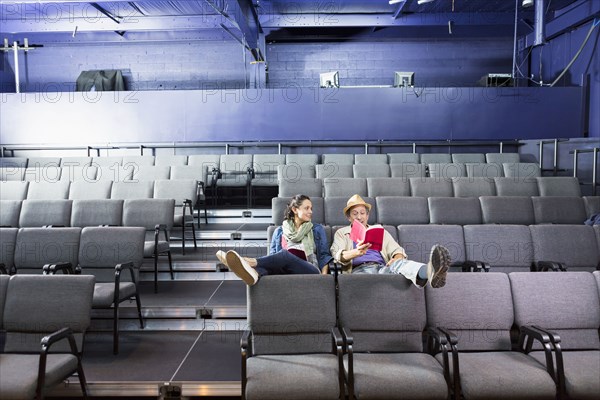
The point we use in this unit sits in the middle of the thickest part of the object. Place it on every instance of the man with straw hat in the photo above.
(359, 258)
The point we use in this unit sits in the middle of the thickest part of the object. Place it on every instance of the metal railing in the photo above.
(576, 154)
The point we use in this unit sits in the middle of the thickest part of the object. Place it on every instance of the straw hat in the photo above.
(356, 200)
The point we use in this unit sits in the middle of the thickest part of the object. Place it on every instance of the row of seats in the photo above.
(113, 255)
(262, 159)
(366, 337)
(408, 170)
(432, 187)
(503, 248)
(156, 216)
(395, 210)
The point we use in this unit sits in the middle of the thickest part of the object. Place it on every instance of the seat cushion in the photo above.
(18, 373)
(104, 293)
(163, 246)
(506, 375)
(398, 376)
(307, 376)
(582, 369)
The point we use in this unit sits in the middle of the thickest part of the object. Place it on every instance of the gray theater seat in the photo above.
(548, 302)
(310, 187)
(463, 158)
(473, 187)
(37, 213)
(291, 351)
(73, 173)
(501, 158)
(395, 210)
(132, 190)
(338, 159)
(558, 210)
(48, 190)
(431, 187)
(42, 162)
(75, 161)
(235, 172)
(115, 173)
(574, 247)
(454, 211)
(337, 187)
(151, 173)
(302, 159)
(489, 368)
(559, 186)
(435, 158)
(377, 159)
(486, 170)
(294, 172)
(37, 247)
(516, 210)
(386, 359)
(107, 161)
(592, 205)
(8, 242)
(13, 162)
(334, 210)
(83, 190)
(170, 160)
(528, 171)
(503, 248)
(324, 171)
(264, 168)
(447, 170)
(401, 158)
(96, 212)
(205, 164)
(114, 256)
(49, 173)
(185, 194)
(418, 240)
(9, 213)
(371, 171)
(8, 174)
(516, 187)
(388, 187)
(55, 308)
(156, 217)
(408, 170)
(13, 190)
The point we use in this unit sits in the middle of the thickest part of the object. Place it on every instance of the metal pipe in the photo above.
(540, 23)
(595, 171)
(16, 58)
(575, 162)
(515, 41)
(366, 148)
(279, 148)
(501, 147)
(555, 160)
(414, 145)
(541, 154)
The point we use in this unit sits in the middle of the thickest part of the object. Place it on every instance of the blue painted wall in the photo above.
(437, 62)
(555, 56)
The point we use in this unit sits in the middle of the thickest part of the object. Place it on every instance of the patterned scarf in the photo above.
(302, 235)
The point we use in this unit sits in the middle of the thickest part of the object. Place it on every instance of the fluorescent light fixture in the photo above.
(329, 79)
(404, 79)
(424, 1)
(396, 1)
(527, 3)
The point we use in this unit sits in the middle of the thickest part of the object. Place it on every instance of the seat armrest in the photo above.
(543, 266)
(437, 340)
(246, 347)
(65, 268)
(349, 341)
(551, 343)
(338, 350)
(64, 333)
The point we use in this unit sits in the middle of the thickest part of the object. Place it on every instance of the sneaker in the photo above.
(437, 268)
(222, 256)
(241, 268)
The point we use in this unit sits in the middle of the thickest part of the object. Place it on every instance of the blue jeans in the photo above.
(284, 263)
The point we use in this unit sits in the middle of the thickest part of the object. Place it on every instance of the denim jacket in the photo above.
(321, 245)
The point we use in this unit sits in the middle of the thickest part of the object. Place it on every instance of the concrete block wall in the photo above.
(145, 66)
(435, 62)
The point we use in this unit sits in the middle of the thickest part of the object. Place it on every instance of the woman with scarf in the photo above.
(297, 247)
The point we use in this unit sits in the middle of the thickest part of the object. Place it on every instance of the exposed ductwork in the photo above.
(539, 23)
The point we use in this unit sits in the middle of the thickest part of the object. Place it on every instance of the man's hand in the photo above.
(397, 256)
(360, 250)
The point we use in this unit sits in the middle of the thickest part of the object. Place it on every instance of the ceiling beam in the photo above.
(401, 7)
(568, 21)
(382, 20)
(245, 16)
